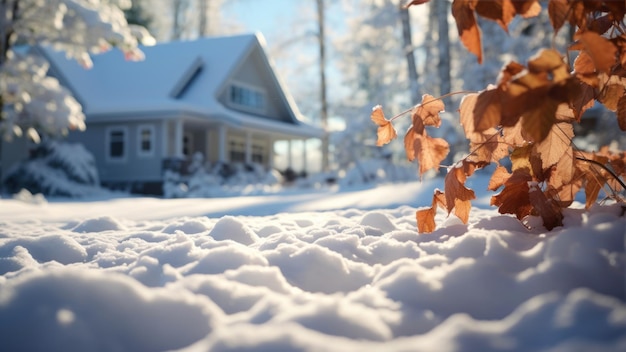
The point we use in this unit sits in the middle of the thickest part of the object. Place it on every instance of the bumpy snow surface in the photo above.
(346, 280)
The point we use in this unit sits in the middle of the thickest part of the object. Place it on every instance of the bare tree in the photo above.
(444, 65)
(208, 16)
(179, 16)
(407, 41)
(323, 99)
(203, 14)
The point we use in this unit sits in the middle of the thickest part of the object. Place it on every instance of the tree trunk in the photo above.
(324, 103)
(407, 42)
(444, 48)
(9, 11)
(203, 17)
(178, 14)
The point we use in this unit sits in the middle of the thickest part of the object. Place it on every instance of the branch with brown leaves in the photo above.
(528, 116)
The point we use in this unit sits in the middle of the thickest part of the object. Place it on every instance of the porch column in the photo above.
(221, 141)
(207, 145)
(178, 139)
(164, 140)
(304, 156)
(248, 147)
(271, 155)
(289, 155)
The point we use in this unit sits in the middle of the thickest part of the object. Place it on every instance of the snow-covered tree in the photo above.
(31, 101)
(374, 68)
(526, 36)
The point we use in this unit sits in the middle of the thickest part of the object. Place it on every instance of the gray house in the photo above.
(219, 96)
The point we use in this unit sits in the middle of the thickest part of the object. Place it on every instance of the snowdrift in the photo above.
(347, 280)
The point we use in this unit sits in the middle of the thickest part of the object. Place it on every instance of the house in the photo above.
(219, 96)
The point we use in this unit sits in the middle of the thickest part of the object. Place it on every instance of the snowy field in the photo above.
(326, 270)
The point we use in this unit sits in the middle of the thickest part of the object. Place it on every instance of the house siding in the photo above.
(253, 73)
(12, 152)
(133, 167)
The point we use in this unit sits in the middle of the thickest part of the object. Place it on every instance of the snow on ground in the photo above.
(323, 270)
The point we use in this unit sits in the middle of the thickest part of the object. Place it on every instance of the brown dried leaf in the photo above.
(558, 12)
(430, 152)
(386, 133)
(556, 144)
(546, 60)
(487, 110)
(564, 180)
(426, 217)
(610, 95)
(592, 189)
(509, 71)
(426, 220)
(566, 194)
(414, 2)
(524, 158)
(594, 176)
(600, 49)
(617, 10)
(489, 148)
(514, 135)
(564, 114)
(409, 144)
(514, 197)
(582, 99)
(428, 111)
(538, 121)
(522, 95)
(600, 24)
(585, 70)
(498, 178)
(463, 12)
(547, 208)
(500, 11)
(527, 8)
(458, 197)
(487, 145)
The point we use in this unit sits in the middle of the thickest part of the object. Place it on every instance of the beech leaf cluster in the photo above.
(528, 116)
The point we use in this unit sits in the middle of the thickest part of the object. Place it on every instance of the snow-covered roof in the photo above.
(118, 87)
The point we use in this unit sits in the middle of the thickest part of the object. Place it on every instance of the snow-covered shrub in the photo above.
(25, 196)
(377, 171)
(173, 187)
(56, 169)
(219, 179)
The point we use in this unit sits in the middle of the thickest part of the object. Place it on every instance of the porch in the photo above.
(226, 146)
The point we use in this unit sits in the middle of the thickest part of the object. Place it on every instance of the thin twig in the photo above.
(430, 101)
(605, 169)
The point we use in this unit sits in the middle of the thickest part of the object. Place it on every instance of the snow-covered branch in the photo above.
(30, 99)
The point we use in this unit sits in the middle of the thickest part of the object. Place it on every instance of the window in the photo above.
(257, 154)
(187, 144)
(116, 143)
(145, 140)
(247, 97)
(237, 151)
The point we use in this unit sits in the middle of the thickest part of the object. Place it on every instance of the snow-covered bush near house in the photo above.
(376, 171)
(211, 180)
(220, 180)
(56, 169)
(177, 274)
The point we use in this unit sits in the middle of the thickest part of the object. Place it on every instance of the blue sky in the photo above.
(261, 16)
